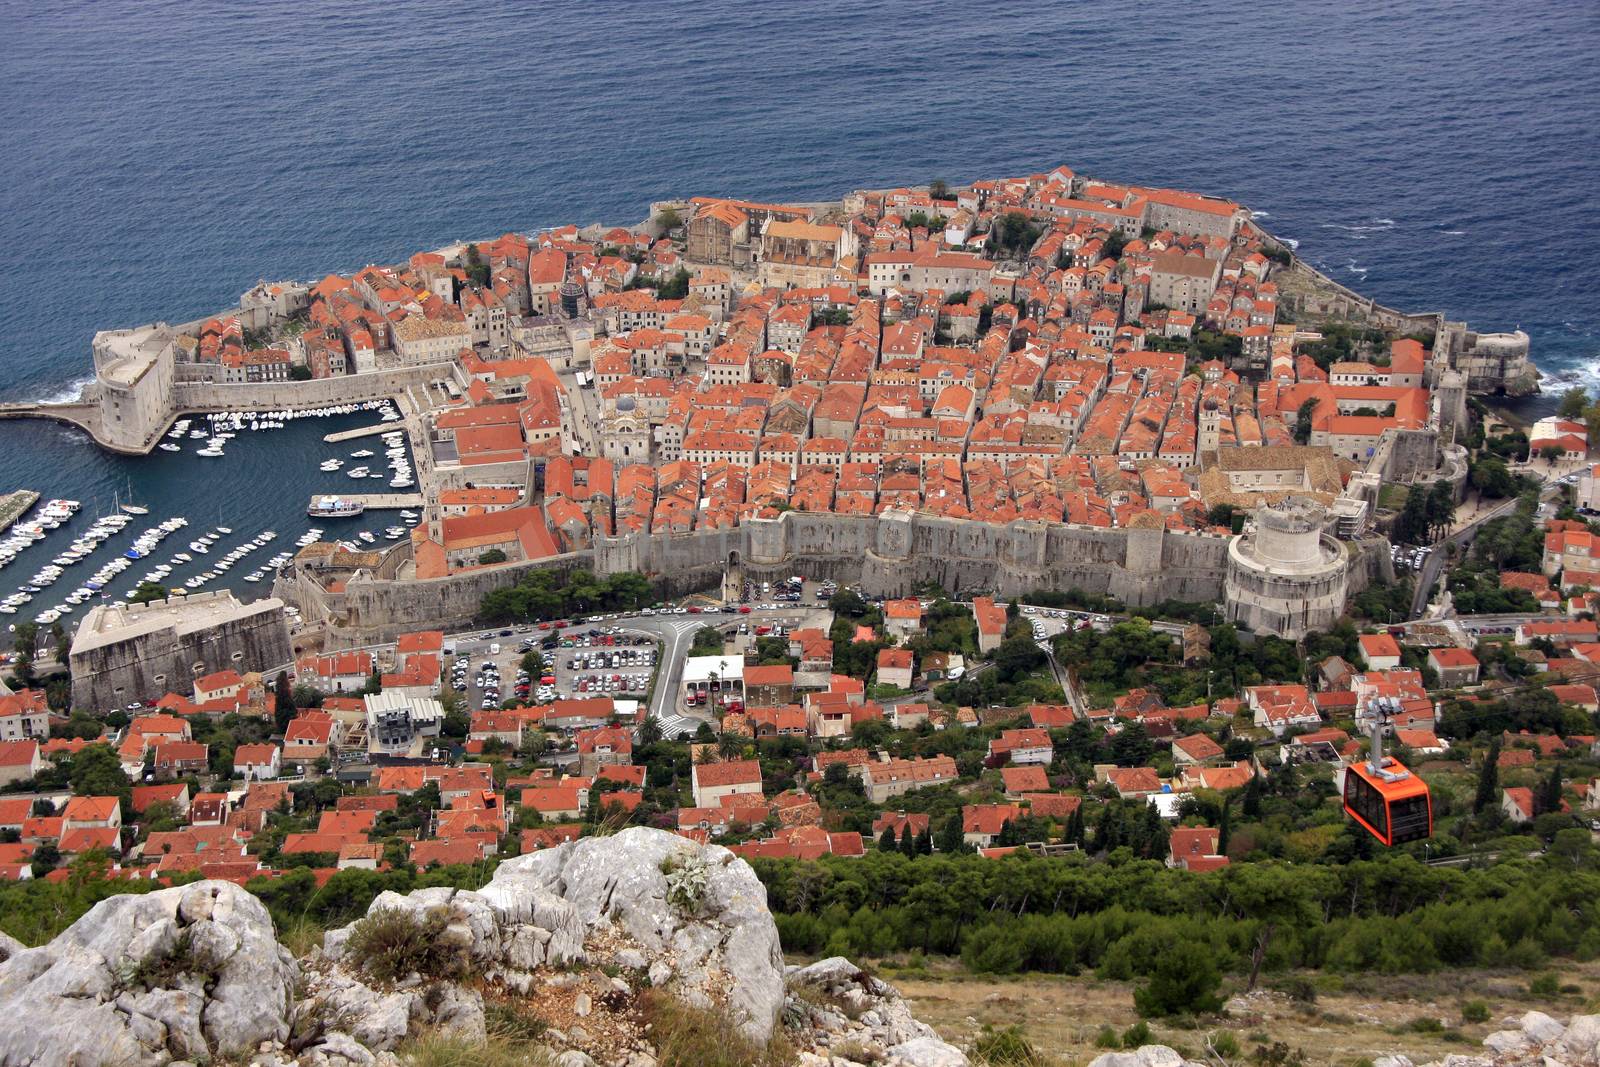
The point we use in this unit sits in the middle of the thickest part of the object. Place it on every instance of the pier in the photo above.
(14, 505)
(364, 431)
(377, 501)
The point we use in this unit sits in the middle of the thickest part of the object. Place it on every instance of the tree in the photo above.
(1573, 403)
(283, 697)
(650, 732)
(1252, 798)
(97, 772)
(1183, 981)
(951, 836)
(1488, 779)
(675, 287)
(886, 840)
(908, 844)
(1075, 832)
(1302, 421)
(1412, 525)
(494, 555)
(1441, 508)
(1548, 801)
(1492, 478)
(939, 189)
(1550, 453)
(1224, 827)
(925, 841)
(145, 592)
(668, 218)
(477, 269)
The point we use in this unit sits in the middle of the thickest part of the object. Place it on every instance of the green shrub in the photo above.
(1005, 1048)
(1224, 1044)
(1546, 985)
(390, 944)
(1425, 1024)
(1183, 979)
(1475, 1011)
(1107, 1038)
(1136, 1035)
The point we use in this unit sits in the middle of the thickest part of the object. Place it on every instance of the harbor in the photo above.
(222, 510)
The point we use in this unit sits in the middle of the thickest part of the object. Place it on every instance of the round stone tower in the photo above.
(1285, 577)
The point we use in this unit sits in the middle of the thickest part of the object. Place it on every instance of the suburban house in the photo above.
(710, 782)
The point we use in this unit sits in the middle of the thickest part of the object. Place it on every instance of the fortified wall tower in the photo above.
(1285, 577)
(133, 376)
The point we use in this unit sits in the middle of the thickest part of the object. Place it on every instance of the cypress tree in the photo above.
(886, 842)
(1075, 830)
(951, 840)
(1224, 829)
(908, 845)
(1550, 795)
(1488, 779)
(1252, 798)
(925, 842)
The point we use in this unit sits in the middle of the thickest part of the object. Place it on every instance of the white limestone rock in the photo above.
(1145, 1056)
(1507, 1041)
(1581, 1042)
(1541, 1028)
(927, 1052)
(93, 982)
(726, 940)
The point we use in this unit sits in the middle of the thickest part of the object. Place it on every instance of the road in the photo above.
(1433, 566)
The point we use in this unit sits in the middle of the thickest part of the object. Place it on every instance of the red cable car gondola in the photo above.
(1383, 797)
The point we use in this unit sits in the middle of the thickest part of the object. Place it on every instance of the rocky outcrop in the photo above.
(178, 974)
(584, 937)
(699, 913)
(841, 1006)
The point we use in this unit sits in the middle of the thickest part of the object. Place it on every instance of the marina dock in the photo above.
(14, 505)
(364, 431)
(378, 501)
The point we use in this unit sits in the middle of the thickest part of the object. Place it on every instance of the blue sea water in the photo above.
(158, 158)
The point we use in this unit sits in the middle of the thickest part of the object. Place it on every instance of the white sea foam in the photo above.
(1292, 242)
(1454, 233)
(67, 393)
(1260, 215)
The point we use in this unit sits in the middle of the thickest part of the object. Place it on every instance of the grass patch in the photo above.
(301, 935)
(435, 1050)
(514, 1023)
(1006, 1047)
(390, 944)
(686, 1036)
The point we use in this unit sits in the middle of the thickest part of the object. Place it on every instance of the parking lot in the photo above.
(580, 660)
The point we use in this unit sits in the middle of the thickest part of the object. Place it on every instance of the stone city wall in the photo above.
(889, 555)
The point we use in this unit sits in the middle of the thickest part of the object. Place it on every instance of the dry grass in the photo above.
(1354, 1018)
(686, 1036)
(434, 1050)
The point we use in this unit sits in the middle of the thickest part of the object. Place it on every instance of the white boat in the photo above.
(367, 536)
(332, 464)
(356, 472)
(362, 454)
(224, 529)
(168, 447)
(209, 453)
(196, 546)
